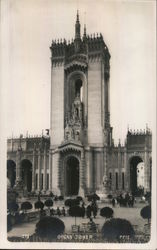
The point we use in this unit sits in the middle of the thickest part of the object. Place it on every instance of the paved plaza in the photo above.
(131, 214)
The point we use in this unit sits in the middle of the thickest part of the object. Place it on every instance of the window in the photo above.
(36, 181)
(47, 186)
(41, 181)
(116, 181)
(122, 180)
(110, 180)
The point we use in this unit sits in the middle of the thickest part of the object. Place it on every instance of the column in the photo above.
(119, 166)
(33, 170)
(105, 177)
(39, 169)
(89, 170)
(55, 172)
(50, 170)
(45, 171)
(81, 176)
(126, 181)
(146, 170)
(18, 166)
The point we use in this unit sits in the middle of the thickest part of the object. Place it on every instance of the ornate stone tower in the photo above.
(80, 129)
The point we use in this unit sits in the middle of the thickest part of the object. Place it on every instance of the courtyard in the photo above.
(131, 214)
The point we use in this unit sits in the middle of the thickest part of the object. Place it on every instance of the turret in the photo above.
(77, 27)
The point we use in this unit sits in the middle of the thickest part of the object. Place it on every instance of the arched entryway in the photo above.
(136, 174)
(11, 172)
(26, 167)
(72, 176)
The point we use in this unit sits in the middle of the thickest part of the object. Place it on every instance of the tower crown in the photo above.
(77, 27)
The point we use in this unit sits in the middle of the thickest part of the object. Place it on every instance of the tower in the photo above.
(80, 128)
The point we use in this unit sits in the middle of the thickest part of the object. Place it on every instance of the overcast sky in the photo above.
(128, 28)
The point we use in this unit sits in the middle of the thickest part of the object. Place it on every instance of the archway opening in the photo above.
(136, 175)
(11, 172)
(26, 167)
(72, 176)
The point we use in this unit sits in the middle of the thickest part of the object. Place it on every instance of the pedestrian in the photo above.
(63, 211)
(58, 211)
(91, 226)
(94, 209)
(83, 210)
(88, 211)
(113, 202)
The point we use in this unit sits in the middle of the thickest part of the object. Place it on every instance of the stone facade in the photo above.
(79, 152)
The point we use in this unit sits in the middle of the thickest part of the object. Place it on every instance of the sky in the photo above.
(28, 27)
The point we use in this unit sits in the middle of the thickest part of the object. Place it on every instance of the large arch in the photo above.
(134, 170)
(26, 167)
(71, 176)
(76, 82)
(11, 172)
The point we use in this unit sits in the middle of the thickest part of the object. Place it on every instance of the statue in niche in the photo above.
(69, 132)
(77, 135)
(77, 109)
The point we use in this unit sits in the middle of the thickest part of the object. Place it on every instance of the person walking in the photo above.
(58, 211)
(113, 202)
(88, 211)
(63, 211)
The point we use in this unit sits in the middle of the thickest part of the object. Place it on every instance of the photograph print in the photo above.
(80, 121)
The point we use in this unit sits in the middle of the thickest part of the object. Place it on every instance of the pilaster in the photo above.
(39, 169)
(45, 171)
(81, 177)
(50, 170)
(33, 170)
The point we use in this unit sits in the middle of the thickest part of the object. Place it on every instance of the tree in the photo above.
(61, 198)
(106, 212)
(49, 228)
(116, 227)
(79, 198)
(93, 197)
(146, 213)
(9, 224)
(39, 205)
(72, 202)
(49, 203)
(13, 206)
(76, 211)
(26, 206)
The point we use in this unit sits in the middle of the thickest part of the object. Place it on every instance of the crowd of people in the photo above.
(123, 200)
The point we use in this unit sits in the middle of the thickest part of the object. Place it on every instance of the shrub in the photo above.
(9, 224)
(72, 202)
(93, 197)
(39, 205)
(61, 198)
(13, 206)
(26, 205)
(49, 203)
(79, 198)
(116, 227)
(146, 213)
(76, 211)
(49, 228)
(109, 196)
(106, 212)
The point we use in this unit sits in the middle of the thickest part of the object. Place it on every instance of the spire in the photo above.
(77, 27)
(84, 34)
